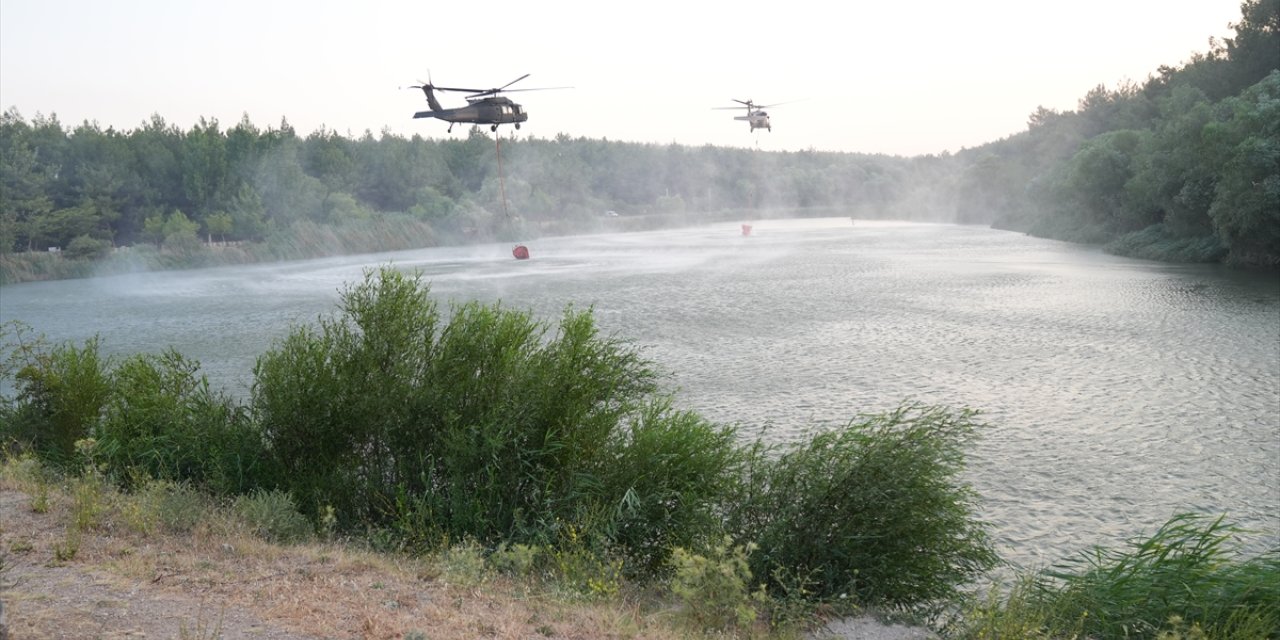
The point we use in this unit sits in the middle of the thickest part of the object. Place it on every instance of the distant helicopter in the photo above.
(484, 106)
(756, 116)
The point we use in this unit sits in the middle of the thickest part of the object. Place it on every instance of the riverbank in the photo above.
(301, 240)
(305, 240)
(219, 580)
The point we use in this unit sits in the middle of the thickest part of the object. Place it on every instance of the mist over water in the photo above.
(1117, 392)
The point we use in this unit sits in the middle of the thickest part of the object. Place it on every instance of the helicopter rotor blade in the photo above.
(476, 93)
(535, 89)
(778, 104)
(511, 83)
(481, 91)
(749, 104)
(492, 92)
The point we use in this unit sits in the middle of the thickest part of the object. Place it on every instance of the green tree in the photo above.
(219, 224)
(1246, 202)
(327, 157)
(285, 192)
(27, 168)
(87, 248)
(58, 228)
(1254, 52)
(1175, 174)
(469, 161)
(204, 167)
(157, 148)
(153, 230)
(180, 233)
(9, 226)
(247, 215)
(1094, 181)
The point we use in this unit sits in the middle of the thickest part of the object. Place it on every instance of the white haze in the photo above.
(894, 78)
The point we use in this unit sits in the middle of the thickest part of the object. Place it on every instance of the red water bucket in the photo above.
(746, 229)
(521, 252)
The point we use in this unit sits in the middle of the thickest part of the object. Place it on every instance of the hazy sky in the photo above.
(893, 77)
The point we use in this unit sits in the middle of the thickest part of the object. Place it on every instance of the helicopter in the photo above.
(756, 116)
(484, 106)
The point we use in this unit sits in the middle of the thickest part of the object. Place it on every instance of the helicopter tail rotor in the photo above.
(427, 90)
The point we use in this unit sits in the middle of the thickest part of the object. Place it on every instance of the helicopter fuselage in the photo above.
(493, 111)
(757, 120)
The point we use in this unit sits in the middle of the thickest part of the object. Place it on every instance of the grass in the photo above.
(1157, 243)
(1186, 580)
(222, 562)
(202, 628)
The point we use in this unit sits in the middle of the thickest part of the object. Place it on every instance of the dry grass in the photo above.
(219, 580)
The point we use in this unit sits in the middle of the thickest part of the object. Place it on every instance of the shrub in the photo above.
(1186, 574)
(86, 248)
(273, 516)
(483, 426)
(175, 507)
(515, 559)
(1156, 242)
(463, 564)
(89, 501)
(163, 421)
(716, 588)
(581, 561)
(874, 511)
(60, 396)
(668, 473)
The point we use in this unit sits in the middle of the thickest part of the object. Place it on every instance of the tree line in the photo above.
(1184, 167)
(161, 185)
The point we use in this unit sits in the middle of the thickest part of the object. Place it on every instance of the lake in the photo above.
(1116, 392)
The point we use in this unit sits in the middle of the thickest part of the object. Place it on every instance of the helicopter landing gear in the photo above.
(493, 128)
(450, 130)
(517, 125)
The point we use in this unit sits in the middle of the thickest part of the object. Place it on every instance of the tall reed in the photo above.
(874, 511)
(1188, 569)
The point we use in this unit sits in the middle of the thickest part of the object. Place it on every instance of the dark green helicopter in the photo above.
(484, 106)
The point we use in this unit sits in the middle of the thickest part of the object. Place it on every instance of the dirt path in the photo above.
(207, 585)
(214, 585)
(44, 598)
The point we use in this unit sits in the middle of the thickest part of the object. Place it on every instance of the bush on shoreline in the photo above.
(1185, 581)
(425, 427)
(874, 511)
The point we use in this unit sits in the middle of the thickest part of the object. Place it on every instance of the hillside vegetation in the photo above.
(1184, 166)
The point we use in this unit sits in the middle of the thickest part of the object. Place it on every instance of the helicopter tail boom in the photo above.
(431, 100)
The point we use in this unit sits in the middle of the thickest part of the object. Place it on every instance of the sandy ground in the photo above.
(205, 587)
(869, 629)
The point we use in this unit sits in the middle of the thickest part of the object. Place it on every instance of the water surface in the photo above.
(1117, 392)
